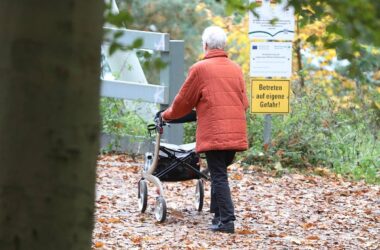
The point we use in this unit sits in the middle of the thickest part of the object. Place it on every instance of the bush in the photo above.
(118, 121)
(189, 132)
(318, 133)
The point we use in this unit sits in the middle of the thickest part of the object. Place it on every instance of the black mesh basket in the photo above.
(180, 172)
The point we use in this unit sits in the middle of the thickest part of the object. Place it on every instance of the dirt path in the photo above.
(291, 212)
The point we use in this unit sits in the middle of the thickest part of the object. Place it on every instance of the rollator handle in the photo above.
(159, 123)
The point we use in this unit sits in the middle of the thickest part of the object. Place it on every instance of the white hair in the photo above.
(214, 37)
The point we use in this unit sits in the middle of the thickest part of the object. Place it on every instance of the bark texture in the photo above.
(49, 122)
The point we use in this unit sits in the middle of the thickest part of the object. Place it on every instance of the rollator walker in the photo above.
(169, 163)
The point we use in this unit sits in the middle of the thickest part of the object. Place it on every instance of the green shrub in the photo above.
(119, 122)
(318, 133)
(189, 132)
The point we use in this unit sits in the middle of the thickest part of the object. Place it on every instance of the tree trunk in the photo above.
(49, 122)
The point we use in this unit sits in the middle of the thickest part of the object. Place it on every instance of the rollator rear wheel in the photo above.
(199, 195)
(142, 195)
(160, 211)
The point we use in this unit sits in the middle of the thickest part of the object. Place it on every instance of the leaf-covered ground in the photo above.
(291, 212)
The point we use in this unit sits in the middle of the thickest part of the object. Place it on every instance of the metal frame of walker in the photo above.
(150, 165)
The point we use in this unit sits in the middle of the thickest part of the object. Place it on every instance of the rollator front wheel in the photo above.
(199, 195)
(142, 195)
(160, 211)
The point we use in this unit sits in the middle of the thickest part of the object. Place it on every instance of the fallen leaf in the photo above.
(136, 240)
(135, 169)
(113, 220)
(102, 220)
(307, 226)
(246, 231)
(99, 244)
(283, 235)
(313, 237)
(272, 235)
(236, 177)
(368, 211)
(176, 214)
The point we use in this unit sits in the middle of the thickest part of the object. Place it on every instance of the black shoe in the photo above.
(228, 227)
(214, 223)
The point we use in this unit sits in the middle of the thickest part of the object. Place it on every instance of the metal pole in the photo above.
(173, 77)
(267, 131)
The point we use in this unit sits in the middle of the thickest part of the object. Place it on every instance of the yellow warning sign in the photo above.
(270, 96)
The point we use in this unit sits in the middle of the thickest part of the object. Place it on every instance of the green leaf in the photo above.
(273, 21)
(159, 64)
(118, 34)
(113, 47)
(137, 43)
(312, 39)
(121, 19)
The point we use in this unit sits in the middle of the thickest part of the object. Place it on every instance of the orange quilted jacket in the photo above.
(216, 88)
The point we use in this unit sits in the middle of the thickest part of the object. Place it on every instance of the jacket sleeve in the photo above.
(244, 93)
(186, 99)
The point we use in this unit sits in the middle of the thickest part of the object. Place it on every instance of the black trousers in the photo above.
(221, 201)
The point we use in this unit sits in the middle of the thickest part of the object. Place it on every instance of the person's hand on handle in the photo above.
(158, 119)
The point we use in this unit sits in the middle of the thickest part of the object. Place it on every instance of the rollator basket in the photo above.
(180, 172)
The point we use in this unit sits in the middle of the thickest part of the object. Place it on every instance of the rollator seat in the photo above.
(189, 147)
(185, 154)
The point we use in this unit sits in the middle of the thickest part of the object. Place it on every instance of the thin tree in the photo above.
(49, 122)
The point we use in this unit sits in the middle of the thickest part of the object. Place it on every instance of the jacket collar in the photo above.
(215, 53)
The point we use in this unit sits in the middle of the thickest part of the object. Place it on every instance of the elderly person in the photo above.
(216, 88)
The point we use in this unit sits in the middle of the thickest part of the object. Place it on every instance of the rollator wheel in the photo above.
(199, 195)
(143, 195)
(160, 211)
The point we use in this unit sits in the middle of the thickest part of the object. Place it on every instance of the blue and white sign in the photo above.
(275, 21)
(271, 59)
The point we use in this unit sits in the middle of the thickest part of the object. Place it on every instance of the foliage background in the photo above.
(335, 103)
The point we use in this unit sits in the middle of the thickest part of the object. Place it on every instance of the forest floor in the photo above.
(294, 211)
